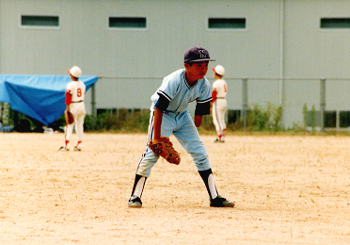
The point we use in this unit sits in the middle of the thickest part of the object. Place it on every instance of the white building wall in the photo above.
(281, 38)
(312, 52)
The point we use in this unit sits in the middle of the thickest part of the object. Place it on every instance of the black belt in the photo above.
(77, 101)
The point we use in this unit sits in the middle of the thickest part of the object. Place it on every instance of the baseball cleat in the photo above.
(135, 202)
(219, 141)
(77, 149)
(63, 149)
(220, 201)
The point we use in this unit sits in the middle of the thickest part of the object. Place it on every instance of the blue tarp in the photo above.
(40, 97)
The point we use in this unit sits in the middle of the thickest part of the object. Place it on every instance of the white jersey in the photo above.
(220, 88)
(77, 90)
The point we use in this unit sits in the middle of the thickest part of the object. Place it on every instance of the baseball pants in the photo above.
(183, 128)
(218, 110)
(78, 111)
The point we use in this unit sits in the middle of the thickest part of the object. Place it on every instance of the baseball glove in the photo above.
(69, 117)
(164, 148)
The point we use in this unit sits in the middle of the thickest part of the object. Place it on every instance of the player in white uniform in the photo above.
(219, 103)
(75, 95)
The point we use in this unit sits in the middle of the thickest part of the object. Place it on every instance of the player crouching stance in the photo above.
(75, 112)
(170, 115)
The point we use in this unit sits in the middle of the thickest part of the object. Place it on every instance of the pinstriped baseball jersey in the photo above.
(179, 93)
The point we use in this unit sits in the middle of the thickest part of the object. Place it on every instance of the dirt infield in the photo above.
(287, 189)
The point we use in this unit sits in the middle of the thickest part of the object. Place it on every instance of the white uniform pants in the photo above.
(78, 111)
(218, 110)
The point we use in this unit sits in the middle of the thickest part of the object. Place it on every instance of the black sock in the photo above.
(208, 179)
(139, 184)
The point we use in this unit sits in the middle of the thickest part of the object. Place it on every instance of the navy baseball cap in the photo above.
(197, 54)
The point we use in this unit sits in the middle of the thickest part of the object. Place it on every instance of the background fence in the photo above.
(303, 102)
(300, 99)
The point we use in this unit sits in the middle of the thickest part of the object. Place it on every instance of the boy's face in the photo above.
(197, 70)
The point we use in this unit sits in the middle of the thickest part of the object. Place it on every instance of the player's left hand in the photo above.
(164, 148)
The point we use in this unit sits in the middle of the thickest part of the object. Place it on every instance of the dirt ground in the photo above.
(287, 190)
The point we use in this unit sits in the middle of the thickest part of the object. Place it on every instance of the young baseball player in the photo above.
(170, 115)
(219, 103)
(75, 94)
